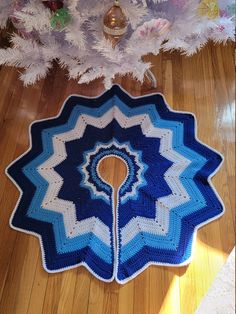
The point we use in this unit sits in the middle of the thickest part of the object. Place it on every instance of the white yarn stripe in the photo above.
(160, 224)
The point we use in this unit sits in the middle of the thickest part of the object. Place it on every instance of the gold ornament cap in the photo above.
(114, 23)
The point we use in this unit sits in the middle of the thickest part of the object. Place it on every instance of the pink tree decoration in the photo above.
(155, 27)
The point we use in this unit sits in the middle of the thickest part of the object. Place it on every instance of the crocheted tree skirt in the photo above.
(166, 196)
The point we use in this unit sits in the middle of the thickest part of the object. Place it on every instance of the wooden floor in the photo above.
(204, 85)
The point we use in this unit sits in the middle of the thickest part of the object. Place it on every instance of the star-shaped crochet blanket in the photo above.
(166, 195)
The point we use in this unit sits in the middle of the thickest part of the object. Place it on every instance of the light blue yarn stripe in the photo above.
(63, 243)
(42, 185)
(174, 126)
(145, 108)
(166, 242)
(190, 171)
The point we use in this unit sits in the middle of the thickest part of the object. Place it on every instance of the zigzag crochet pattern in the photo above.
(166, 196)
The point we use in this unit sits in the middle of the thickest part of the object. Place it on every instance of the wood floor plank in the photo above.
(18, 284)
(141, 294)
(16, 134)
(164, 286)
(52, 295)
(111, 298)
(96, 297)
(81, 292)
(65, 304)
(126, 298)
(8, 76)
(38, 290)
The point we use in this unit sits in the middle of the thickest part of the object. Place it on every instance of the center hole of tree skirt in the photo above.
(113, 171)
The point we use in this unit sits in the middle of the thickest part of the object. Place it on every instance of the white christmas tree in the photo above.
(73, 33)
